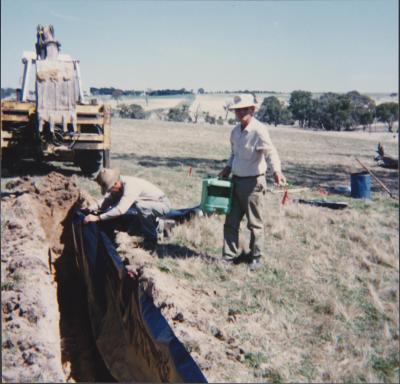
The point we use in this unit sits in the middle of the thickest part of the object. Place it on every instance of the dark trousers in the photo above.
(140, 220)
(248, 199)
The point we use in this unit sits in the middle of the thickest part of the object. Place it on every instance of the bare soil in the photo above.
(46, 335)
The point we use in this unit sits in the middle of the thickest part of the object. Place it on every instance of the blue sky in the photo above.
(218, 45)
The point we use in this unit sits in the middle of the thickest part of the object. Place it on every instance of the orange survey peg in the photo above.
(285, 197)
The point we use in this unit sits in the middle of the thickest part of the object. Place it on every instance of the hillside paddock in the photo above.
(324, 307)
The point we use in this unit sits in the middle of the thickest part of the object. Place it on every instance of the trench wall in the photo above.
(133, 338)
(31, 348)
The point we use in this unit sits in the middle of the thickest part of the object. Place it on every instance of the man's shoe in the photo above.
(168, 226)
(255, 264)
(227, 261)
(243, 258)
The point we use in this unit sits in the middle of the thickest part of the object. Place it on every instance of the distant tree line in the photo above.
(254, 92)
(6, 92)
(168, 92)
(111, 91)
(116, 92)
(330, 111)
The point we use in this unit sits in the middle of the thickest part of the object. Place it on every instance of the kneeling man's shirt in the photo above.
(133, 191)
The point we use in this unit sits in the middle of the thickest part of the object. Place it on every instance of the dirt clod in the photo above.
(29, 358)
(178, 317)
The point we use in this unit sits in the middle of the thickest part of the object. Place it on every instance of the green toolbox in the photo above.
(216, 196)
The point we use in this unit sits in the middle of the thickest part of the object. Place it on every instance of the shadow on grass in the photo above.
(176, 251)
(330, 176)
(171, 162)
(32, 168)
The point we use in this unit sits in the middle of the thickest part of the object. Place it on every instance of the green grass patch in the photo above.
(386, 367)
(7, 285)
(254, 360)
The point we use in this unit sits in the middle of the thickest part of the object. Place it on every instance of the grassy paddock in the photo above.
(324, 307)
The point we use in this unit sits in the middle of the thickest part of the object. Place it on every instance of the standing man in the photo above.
(251, 149)
(130, 204)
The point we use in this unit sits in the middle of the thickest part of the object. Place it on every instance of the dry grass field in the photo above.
(153, 102)
(325, 305)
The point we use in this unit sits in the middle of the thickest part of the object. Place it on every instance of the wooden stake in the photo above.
(294, 190)
(379, 182)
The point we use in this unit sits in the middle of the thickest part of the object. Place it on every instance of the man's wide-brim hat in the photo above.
(106, 178)
(242, 101)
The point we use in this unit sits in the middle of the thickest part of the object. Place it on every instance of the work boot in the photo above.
(244, 257)
(255, 264)
(228, 261)
(168, 226)
(160, 229)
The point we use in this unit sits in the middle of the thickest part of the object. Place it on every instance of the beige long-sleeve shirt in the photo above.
(251, 149)
(133, 190)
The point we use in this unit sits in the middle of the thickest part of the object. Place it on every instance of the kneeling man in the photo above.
(130, 204)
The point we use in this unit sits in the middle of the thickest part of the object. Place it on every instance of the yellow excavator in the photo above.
(54, 122)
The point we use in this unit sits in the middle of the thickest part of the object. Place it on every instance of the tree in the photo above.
(315, 115)
(300, 105)
(226, 108)
(6, 92)
(117, 94)
(331, 112)
(270, 111)
(123, 111)
(388, 113)
(362, 108)
(209, 119)
(196, 114)
(133, 111)
(286, 117)
(179, 114)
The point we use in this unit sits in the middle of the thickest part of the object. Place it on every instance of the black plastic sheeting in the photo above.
(323, 203)
(131, 334)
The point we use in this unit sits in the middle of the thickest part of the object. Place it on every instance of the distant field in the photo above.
(212, 103)
(152, 103)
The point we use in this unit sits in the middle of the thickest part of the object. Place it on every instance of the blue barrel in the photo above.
(361, 185)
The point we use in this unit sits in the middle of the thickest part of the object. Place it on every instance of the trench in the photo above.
(107, 327)
(81, 359)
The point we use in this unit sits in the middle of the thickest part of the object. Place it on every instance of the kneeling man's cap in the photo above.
(242, 101)
(106, 178)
